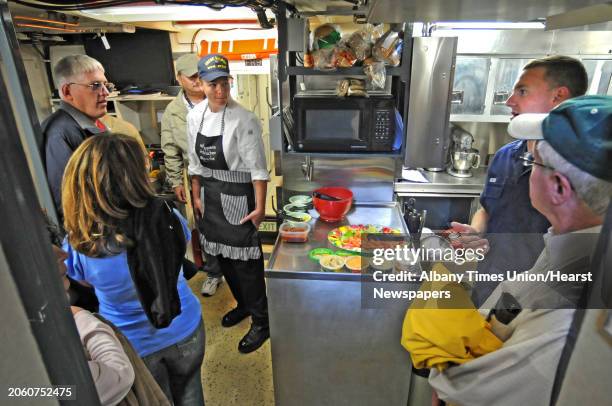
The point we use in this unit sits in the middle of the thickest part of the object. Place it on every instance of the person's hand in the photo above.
(468, 237)
(75, 310)
(256, 217)
(179, 191)
(197, 207)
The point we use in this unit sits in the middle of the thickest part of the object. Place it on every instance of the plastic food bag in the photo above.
(323, 58)
(351, 87)
(377, 31)
(361, 42)
(376, 75)
(356, 88)
(342, 87)
(388, 48)
(325, 36)
(343, 57)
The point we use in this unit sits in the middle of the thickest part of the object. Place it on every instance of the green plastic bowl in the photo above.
(314, 254)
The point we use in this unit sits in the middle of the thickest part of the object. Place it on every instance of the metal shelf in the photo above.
(353, 71)
(390, 154)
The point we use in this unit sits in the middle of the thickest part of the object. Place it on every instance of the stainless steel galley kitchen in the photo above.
(378, 117)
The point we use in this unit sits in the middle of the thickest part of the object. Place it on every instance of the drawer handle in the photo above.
(501, 97)
(457, 97)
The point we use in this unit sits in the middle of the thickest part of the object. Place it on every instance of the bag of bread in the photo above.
(342, 87)
(388, 48)
(343, 57)
(376, 75)
(325, 36)
(360, 42)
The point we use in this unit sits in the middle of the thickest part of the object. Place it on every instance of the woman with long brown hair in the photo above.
(129, 246)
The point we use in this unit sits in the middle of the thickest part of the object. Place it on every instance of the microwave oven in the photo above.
(343, 124)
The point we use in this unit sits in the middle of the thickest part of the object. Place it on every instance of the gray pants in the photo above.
(212, 266)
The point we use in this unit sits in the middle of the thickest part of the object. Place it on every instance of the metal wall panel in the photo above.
(531, 42)
(370, 178)
(393, 11)
(433, 64)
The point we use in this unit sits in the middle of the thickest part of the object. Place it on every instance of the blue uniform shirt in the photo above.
(506, 199)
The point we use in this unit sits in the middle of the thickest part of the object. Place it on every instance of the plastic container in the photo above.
(295, 207)
(331, 263)
(317, 253)
(384, 267)
(333, 210)
(302, 217)
(301, 199)
(353, 263)
(294, 232)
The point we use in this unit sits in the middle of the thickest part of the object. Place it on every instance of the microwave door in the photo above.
(334, 130)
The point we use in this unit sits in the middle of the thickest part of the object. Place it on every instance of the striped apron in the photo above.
(229, 196)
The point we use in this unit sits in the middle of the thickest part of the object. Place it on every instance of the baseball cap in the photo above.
(187, 65)
(212, 67)
(579, 129)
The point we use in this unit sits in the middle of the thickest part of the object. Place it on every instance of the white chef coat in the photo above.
(243, 146)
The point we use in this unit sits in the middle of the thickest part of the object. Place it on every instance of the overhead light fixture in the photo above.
(167, 12)
(486, 25)
(222, 24)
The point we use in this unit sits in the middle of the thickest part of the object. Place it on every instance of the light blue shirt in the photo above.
(111, 279)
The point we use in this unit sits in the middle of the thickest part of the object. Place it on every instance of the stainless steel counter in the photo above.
(291, 259)
(442, 182)
(327, 347)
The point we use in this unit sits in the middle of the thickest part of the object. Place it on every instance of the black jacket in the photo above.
(63, 131)
(155, 259)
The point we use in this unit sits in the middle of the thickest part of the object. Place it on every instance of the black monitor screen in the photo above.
(142, 59)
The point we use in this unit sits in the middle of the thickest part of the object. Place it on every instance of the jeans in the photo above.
(177, 369)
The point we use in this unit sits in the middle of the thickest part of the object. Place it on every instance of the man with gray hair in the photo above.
(571, 185)
(83, 89)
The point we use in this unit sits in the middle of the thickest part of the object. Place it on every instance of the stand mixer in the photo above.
(463, 157)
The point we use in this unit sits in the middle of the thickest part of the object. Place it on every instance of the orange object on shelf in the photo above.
(240, 50)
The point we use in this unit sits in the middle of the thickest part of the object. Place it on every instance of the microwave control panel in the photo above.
(384, 130)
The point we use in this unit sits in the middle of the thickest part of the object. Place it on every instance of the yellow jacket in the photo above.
(438, 332)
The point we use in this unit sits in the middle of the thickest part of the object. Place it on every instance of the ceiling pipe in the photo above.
(46, 27)
(44, 20)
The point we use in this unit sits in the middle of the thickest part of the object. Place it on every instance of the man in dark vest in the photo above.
(83, 89)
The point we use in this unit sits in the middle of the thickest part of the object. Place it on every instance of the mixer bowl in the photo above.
(465, 160)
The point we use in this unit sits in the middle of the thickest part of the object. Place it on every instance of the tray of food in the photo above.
(349, 237)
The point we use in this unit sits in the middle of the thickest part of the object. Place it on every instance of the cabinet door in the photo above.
(470, 85)
(508, 72)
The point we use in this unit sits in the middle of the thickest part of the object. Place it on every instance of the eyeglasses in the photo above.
(529, 160)
(96, 86)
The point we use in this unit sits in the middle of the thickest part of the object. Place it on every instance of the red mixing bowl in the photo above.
(333, 210)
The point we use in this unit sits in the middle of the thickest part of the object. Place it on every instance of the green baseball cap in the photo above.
(579, 129)
(187, 65)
